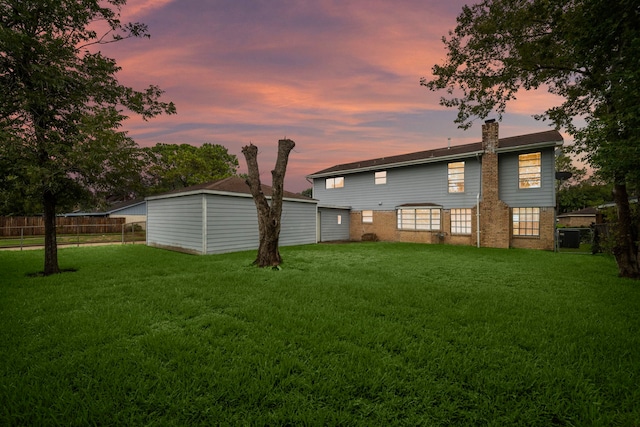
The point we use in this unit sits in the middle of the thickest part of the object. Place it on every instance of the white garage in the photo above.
(221, 217)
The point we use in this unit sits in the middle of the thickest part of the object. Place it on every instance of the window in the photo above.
(339, 219)
(367, 217)
(419, 219)
(381, 177)
(529, 170)
(460, 221)
(456, 177)
(526, 221)
(337, 182)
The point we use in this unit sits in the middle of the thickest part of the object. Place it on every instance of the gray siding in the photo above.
(413, 184)
(298, 223)
(175, 222)
(232, 224)
(330, 230)
(514, 196)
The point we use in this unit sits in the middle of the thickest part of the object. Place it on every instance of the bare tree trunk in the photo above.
(268, 215)
(50, 242)
(626, 236)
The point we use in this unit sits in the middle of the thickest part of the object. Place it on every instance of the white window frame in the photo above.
(455, 177)
(419, 219)
(461, 221)
(367, 217)
(526, 222)
(336, 182)
(339, 219)
(380, 177)
(530, 170)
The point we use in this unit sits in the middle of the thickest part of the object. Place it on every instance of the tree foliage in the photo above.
(579, 191)
(171, 166)
(585, 51)
(61, 105)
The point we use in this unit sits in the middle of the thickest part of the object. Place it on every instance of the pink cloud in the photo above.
(339, 78)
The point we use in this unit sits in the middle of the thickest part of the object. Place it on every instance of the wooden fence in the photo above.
(34, 225)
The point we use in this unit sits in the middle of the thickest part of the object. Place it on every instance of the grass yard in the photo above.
(345, 334)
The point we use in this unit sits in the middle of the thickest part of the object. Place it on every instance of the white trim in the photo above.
(377, 167)
(395, 165)
(220, 193)
(205, 224)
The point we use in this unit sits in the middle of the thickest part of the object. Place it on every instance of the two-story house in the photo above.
(499, 192)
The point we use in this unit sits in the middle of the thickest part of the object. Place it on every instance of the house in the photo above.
(133, 211)
(499, 192)
(581, 218)
(221, 216)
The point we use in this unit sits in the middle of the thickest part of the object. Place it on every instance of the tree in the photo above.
(172, 166)
(585, 51)
(588, 193)
(564, 164)
(61, 104)
(268, 215)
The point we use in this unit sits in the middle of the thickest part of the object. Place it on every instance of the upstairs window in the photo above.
(381, 177)
(529, 170)
(419, 219)
(337, 182)
(455, 177)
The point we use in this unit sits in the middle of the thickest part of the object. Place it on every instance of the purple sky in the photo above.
(340, 78)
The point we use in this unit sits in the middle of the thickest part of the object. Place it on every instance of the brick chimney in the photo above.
(495, 221)
(490, 140)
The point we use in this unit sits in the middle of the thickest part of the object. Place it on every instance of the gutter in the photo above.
(436, 159)
(222, 193)
(396, 165)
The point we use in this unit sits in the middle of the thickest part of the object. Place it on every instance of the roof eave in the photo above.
(378, 167)
(528, 147)
(221, 193)
(397, 165)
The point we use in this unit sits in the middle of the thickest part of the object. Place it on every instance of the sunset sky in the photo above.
(340, 78)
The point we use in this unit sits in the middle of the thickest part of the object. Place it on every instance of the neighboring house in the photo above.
(131, 211)
(496, 193)
(221, 216)
(582, 218)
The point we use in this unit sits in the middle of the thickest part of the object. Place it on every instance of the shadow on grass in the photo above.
(41, 273)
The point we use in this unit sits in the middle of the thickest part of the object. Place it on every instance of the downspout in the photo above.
(478, 219)
(479, 159)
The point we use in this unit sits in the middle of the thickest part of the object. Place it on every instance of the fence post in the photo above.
(21, 236)
(123, 226)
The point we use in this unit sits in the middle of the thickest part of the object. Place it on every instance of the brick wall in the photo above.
(384, 226)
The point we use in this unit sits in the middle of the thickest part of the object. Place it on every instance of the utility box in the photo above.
(569, 238)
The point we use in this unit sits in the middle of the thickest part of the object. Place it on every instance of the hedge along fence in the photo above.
(34, 225)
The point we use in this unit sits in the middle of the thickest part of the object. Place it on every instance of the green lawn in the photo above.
(346, 334)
